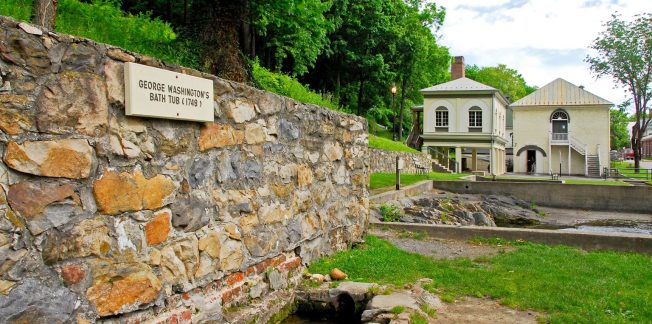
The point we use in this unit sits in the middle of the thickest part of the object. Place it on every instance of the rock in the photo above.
(231, 255)
(193, 212)
(6, 286)
(115, 81)
(81, 57)
(89, 237)
(217, 135)
(232, 231)
(261, 242)
(14, 122)
(71, 158)
(121, 192)
(359, 291)
(333, 151)
(304, 176)
(122, 287)
(34, 202)
(254, 134)
(277, 280)
(337, 274)
(200, 172)
(318, 277)
(33, 302)
(211, 244)
(72, 273)
(72, 102)
(273, 213)
(288, 130)
(23, 51)
(388, 302)
(179, 261)
(30, 29)
(120, 55)
(157, 229)
(368, 315)
(240, 111)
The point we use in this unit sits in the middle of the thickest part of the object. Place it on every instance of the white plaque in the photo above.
(401, 164)
(158, 93)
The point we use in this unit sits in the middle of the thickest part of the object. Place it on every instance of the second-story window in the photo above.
(475, 118)
(441, 119)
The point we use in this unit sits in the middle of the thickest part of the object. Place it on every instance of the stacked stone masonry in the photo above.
(385, 161)
(111, 218)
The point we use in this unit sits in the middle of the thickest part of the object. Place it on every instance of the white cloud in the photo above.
(542, 39)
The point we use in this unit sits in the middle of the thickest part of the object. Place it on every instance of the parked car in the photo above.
(628, 154)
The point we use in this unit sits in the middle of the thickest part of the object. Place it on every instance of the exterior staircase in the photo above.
(593, 166)
(440, 168)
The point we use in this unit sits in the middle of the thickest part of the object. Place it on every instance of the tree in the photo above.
(507, 80)
(619, 136)
(44, 13)
(624, 53)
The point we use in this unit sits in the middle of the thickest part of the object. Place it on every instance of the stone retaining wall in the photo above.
(108, 217)
(385, 161)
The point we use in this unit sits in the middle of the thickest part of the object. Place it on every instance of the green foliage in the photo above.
(18, 9)
(624, 53)
(104, 22)
(428, 310)
(390, 213)
(619, 135)
(295, 31)
(571, 285)
(382, 180)
(507, 80)
(397, 310)
(415, 318)
(287, 86)
(389, 145)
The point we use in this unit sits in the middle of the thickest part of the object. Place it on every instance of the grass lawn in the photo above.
(570, 285)
(389, 145)
(381, 180)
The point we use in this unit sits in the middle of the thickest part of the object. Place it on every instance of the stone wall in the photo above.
(108, 217)
(385, 161)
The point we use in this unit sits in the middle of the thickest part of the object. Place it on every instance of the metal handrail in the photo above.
(629, 173)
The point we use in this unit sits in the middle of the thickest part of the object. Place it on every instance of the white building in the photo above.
(462, 114)
(561, 128)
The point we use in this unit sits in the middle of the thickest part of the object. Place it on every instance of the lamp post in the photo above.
(393, 90)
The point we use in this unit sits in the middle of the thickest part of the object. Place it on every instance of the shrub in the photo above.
(390, 213)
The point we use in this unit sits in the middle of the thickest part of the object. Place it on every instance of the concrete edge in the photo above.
(411, 190)
(589, 241)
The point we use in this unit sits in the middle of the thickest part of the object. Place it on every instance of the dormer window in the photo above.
(475, 119)
(441, 119)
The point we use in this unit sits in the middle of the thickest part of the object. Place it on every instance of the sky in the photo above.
(541, 39)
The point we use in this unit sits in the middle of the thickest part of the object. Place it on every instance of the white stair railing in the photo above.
(577, 145)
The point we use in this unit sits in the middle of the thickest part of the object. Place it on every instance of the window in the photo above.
(441, 117)
(475, 117)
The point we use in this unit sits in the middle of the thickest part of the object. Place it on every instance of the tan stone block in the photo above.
(120, 55)
(333, 151)
(240, 111)
(232, 231)
(120, 192)
(14, 122)
(89, 237)
(180, 260)
(71, 158)
(231, 255)
(304, 175)
(155, 257)
(217, 135)
(273, 213)
(73, 102)
(248, 222)
(211, 244)
(115, 81)
(254, 133)
(282, 190)
(157, 229)
(121, 287)
(6, 286)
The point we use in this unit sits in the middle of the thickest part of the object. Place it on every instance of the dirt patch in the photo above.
(439, 248)
(476, 310)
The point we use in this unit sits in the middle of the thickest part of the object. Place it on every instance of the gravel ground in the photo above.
(439, 248)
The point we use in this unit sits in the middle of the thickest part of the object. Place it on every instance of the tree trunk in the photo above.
(222, 37)
(400, 113)
(360, 95)
(44, 13)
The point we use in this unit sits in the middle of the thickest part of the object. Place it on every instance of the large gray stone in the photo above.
(393, 300)
(33, 302)
(288, 130)
(200, 172)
